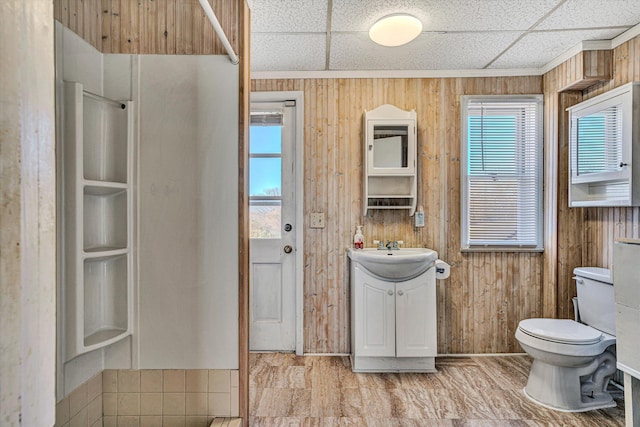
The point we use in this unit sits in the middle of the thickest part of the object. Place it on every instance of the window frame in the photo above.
(575, 116)
(467, 244)
(267, 110)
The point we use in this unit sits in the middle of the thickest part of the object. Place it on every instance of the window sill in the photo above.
(500, 249)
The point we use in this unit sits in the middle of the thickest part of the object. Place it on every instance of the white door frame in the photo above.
(298, 97)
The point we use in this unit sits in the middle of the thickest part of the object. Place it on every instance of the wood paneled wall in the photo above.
(149, 26)
(583, 236)
(480, 305)
(602, 226)
(244, 25)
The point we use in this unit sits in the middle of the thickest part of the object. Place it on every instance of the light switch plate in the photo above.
(317, 220)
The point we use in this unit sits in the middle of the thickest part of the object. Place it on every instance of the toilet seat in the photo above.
(562, 331)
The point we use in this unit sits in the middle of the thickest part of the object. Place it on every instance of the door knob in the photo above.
(288, 249)
(400, 293)
(390, 292)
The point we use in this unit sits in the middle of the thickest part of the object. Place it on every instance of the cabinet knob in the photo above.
(400, 293)
(390, 292)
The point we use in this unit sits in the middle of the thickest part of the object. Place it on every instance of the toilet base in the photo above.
(564, 388)
(611, 404)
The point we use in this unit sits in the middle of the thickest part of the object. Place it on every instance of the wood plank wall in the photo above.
(149, 26)
(585, 236)
(82, 17)
(244, 25)
(604, 225)
(480, 305)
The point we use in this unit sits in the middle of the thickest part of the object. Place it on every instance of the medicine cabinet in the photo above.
(390, 159)
(604, 157)
(97, 218)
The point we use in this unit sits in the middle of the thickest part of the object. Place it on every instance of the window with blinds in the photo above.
(501, 173)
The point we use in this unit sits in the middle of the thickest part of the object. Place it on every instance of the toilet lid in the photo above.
(561, 330)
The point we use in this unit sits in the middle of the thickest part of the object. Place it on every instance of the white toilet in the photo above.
(571, 364)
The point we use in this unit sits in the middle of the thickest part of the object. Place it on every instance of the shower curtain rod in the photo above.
(216, 26)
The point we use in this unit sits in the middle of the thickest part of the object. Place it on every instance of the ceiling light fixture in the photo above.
(395, 30)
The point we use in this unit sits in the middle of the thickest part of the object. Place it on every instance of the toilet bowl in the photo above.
(572, 362)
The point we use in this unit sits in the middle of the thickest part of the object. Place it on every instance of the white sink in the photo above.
(398, 264)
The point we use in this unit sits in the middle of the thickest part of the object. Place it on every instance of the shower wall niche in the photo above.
(98, 218)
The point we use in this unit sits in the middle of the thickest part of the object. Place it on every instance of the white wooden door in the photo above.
(374, 302)
(415, 323)
(272, 201)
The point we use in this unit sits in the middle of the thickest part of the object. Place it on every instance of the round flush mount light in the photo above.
(395, 30)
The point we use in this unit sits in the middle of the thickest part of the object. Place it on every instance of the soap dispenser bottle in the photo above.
(419, 217)
(358, 238)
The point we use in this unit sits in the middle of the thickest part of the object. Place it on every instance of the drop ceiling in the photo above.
(477, 36)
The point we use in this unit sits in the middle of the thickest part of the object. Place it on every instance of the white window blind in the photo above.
(502, 173)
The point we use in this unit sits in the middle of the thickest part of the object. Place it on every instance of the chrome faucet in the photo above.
(390, 246)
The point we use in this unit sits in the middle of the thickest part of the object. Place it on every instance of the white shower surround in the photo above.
(187, 287)
(188, 204)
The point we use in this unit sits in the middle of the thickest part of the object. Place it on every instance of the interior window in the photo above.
(501, 173)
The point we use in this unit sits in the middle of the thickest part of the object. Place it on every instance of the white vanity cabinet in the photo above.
(390, 159)
(393, 324)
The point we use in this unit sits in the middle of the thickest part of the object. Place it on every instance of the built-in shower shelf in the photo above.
(98, 188)
(98, 216)
(104, 251)
(105, 336)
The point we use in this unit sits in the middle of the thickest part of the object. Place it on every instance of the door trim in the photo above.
(298, 97)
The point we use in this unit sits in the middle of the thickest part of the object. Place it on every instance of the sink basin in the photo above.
(401, 264)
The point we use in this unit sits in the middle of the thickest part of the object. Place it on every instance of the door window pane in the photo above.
(265, 140)
(265, 219)
(265, 177)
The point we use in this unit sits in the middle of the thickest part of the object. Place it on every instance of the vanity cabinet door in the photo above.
(415, 322)
(374, 316)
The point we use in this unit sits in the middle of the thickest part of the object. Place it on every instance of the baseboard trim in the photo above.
(481, 354)
(439, 355)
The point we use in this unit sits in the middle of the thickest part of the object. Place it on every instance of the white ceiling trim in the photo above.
(365, 74)
(626, 36)
(406, 74)
(592, 45)
(580, 47)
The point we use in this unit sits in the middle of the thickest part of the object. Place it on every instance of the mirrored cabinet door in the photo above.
(391, 147)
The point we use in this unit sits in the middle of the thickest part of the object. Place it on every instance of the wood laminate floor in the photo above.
(321, 391)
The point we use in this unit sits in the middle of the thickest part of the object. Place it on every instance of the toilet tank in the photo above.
(596, 299)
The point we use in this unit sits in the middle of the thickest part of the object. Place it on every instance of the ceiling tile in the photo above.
(438, 15)
(288, 16)
(538, 48)
(290, 52)
(593, 13)
(430, 51)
